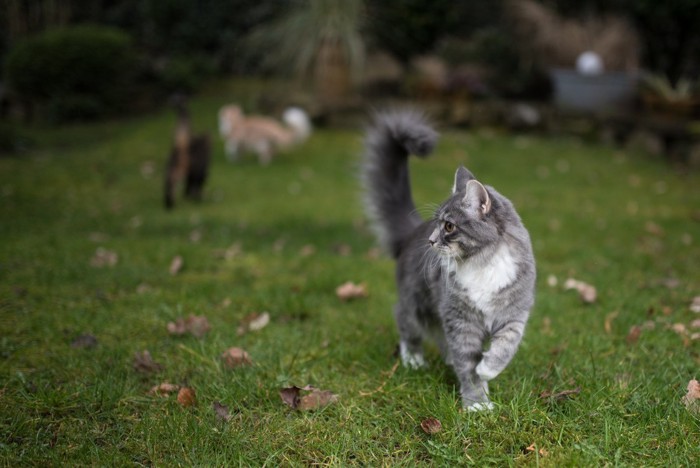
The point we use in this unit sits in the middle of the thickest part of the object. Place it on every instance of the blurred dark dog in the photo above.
(189, 158)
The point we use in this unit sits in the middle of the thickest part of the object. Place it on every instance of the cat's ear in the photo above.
(462, 176)
(476, 198)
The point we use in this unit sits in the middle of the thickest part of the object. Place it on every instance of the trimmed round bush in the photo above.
(74, 73)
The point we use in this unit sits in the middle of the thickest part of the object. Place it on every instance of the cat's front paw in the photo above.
(481, 406)
(484, 372)
(412, 360)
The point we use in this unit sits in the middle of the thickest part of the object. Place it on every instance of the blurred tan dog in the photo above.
(262, 135)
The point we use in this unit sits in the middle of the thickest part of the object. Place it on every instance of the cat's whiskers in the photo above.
(427, 211)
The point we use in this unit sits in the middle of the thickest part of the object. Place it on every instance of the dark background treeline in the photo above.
(174, 45)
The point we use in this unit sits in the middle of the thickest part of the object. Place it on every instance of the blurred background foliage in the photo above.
(174, 45)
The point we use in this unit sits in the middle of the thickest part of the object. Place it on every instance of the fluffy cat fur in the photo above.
(263, 135)
(466, 276)
(189, 158)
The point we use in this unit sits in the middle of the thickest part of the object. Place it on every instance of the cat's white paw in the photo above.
(410, 359)
(481, 406)
(485, 372)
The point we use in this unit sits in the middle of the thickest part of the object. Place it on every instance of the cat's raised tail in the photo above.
(391, 138)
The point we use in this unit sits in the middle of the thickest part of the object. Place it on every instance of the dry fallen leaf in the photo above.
(679, 328)
(290, 396)
(314, 398)
(98, 237)
(695, 305)
(344, 250)
(431, 425)
(253, 322)
(144, 363)
(236, 357)
(634, 334)
(196, 236)
(84, 341)
(653, 228)
(197, 325)
(176, 265)
(547, 326)
(692, 399)
(104, 258)
(587, 292)
(221, 411)
(307, 250)
(532, 448)
(373, 253)
(164, 389)
(350, 290)
(608, 321)
(186, 397)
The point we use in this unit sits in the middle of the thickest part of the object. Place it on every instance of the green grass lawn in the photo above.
(280, 239)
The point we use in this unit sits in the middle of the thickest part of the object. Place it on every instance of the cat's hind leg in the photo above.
(411, 336)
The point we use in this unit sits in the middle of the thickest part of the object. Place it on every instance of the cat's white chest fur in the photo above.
(483, 278)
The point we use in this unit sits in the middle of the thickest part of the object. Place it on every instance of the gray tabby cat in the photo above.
(465, 277)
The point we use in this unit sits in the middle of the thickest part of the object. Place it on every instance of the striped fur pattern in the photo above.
(466, 276)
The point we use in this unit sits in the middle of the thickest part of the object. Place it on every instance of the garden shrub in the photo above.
(74, 73)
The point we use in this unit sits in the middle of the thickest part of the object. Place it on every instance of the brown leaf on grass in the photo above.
(654, 229)
(221, 411)
(695, 323)
(431, 425)
(560, 396)
(104, 258)
(253, 322)
(164, 389)
(148, 168)
(316, 399)
(682, 331)
(586, 291)
(98, 237)
(176, 265)
(307, 250)
(695, 305)
(344, 250)
(313, 399)
(608, 321)
(532, 448)
(196, 236)
(196, 325)
(84, 342)
(290, 396)
(692, 399)
(634, 334)
(143, 363)
(236, 357)
(186, 397)
(350, 290)
(547, 326)
(373, 253)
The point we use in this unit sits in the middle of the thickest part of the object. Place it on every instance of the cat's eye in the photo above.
(449, 227)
